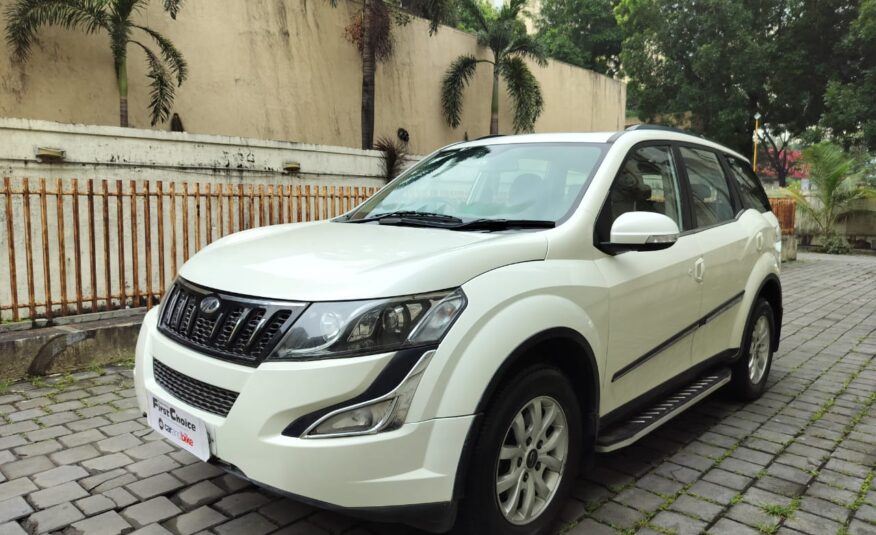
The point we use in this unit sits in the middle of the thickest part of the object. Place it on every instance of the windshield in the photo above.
(523, 181)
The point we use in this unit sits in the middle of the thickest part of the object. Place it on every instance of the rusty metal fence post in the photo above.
(107, 245)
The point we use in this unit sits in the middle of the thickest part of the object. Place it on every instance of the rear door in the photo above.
(727, 239)
(653, 297)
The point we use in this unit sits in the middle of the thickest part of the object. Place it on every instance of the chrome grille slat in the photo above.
(235, 331)
(213, 399)
(243, 330)
(256, 332)
(172, 298)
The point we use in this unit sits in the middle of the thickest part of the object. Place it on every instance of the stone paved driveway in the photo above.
(75, 456)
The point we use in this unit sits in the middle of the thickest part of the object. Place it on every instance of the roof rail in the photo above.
(488, 137)
(661, 127)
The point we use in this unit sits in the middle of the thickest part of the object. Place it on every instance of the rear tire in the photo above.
(522, 472)
(751, 370)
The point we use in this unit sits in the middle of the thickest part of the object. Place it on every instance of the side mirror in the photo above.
(642, 231)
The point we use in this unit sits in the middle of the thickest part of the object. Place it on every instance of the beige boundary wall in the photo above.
(124, 255)
(282, 69)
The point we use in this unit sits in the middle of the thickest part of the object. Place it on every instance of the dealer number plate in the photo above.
(178, 426)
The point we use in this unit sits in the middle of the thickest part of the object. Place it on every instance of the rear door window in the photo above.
(750, 189)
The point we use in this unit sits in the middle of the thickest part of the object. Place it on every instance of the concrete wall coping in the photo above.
(14, 123)
(96, 151)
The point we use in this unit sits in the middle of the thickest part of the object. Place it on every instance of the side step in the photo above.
(625, 433)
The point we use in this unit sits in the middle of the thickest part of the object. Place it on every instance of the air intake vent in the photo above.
(196, 393)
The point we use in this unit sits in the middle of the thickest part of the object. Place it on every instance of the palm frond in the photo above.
(829, 167)
(171, 55)
(172, 7)
(161, 97)
(380, 32)
(836, 181)
(394, 153)
(528, 47)
(455, 79)
(524, 91)
(123, 9)
(510, 10)
(806, 206)
(436, 11)
(473, 9)
(24, 17)
(499, 37)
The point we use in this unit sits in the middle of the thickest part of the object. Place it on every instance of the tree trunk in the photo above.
(122, 78)
(368, 66)
(494, 104)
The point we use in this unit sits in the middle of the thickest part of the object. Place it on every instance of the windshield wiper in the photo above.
(414, 218)
(503, 224)
(404, 217)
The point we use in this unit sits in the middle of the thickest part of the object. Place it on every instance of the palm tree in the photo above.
(833, 176)
(25, 17)
(371, 32)
(506, 37)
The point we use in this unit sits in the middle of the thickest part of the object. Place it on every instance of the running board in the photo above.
(625, 433)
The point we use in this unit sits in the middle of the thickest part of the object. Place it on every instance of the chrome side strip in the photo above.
(675, 338)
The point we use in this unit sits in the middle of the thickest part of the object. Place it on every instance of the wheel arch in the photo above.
(771, 290)
(568, 351)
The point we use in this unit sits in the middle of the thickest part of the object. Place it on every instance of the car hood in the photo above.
(327, 261)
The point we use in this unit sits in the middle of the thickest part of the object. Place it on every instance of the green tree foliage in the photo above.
(836, 181)
(505, 36)
(462, 19)
(692, 60)
(851, 96)
(371, 32)
(581, 32)
(713, 63)
(165, 66)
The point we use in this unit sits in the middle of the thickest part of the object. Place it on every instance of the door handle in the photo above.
(699, 270)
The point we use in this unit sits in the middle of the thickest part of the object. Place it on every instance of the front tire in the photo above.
(751, 370)
(526, 456)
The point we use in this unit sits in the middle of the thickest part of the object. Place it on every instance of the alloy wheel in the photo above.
(532, 460)
(759, 351)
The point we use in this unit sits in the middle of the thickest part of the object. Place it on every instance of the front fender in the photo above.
(507, 307)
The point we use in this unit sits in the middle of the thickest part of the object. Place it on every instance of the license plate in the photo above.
(178, 426)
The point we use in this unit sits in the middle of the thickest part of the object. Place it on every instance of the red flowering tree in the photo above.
(776, 158)
(789, 159)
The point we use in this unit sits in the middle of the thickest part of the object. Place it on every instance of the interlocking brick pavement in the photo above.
(75, 457)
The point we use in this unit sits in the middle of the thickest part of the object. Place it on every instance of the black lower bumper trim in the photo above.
(432, 517)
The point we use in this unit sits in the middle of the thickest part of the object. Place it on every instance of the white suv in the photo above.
(454, 350)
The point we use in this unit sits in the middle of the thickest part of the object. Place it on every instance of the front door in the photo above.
(654, 296)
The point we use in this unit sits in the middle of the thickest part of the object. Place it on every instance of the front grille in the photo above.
(242, 330)
(196, 393)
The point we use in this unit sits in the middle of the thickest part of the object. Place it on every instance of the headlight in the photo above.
(346, 328)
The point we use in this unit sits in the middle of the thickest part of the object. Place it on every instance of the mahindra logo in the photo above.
(209, 305)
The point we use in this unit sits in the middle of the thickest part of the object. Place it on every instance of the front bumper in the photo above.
(415, 465)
